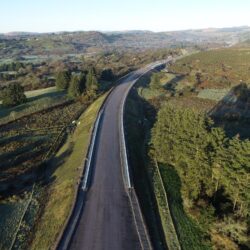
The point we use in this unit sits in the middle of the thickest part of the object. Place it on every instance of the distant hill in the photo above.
(16, 44)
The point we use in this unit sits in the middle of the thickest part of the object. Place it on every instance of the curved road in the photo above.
(107, 222)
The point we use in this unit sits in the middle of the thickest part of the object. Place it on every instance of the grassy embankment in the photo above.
(62, 191)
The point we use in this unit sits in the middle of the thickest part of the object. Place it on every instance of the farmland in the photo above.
(37, 100)
(218, 69)
(25, 144)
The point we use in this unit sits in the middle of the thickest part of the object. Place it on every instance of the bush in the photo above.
(76, 86)
(13, 95)
(63, 79)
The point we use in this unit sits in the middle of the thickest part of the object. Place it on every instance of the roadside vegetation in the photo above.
(135, 138)
(67, 167)
(200, 143)
(213, 170)
(215, 69)
(13, 95)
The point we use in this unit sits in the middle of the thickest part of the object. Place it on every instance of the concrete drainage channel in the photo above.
(72, 222)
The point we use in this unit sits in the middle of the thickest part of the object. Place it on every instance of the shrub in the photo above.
(13, 95)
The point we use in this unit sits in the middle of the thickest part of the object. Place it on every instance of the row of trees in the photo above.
(209, 164)
(13, 66)
(77, 84)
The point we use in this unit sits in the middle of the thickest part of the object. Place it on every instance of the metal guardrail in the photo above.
(91, 150)
(64, 238)
(136, 210)
(123, 144)
(123, 141)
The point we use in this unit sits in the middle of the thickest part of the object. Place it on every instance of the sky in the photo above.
(113, 15)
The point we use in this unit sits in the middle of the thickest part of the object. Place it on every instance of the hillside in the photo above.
(218, 69)
(19, 44)
(195, 134)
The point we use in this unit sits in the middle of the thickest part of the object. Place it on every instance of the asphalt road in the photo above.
(106, 222)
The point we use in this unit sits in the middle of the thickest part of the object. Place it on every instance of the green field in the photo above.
(37, 100)
(47, 91)
(213, 94)
(24, 145)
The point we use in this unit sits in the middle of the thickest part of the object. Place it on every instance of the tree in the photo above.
(91, 83)
(107, 75)
(82, 79)
(13, 95)
(198, 78)
(63, 79)
(77, 85)
(74, 87)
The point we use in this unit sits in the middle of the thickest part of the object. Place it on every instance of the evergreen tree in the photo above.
(76, 85)
(204, 158)
(63, 79)
(13, 95)
(82, 79)
(107, 75)
(91, 83)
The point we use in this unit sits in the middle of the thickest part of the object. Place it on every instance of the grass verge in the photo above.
(164, 211)
(68, 165)
(190, 234)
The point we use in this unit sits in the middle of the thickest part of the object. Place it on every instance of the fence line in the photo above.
(22, 217)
